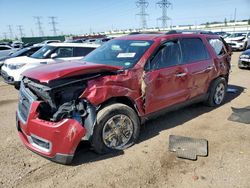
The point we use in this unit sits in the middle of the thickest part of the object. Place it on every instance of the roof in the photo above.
(64, 44)
(164, 35)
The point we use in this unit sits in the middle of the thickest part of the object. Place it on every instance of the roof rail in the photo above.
(144, 32)
(189, 32)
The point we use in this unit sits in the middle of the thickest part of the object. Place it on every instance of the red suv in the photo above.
(106, 97)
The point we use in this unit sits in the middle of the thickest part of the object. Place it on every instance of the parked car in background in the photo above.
(5, 50)
(238, 41)
(244, 59)
(55, 52)
(28, 51)
(17, 44)
(223, 34)
(105, 98)
(47, 42)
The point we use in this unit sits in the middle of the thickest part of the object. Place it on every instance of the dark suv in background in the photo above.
(107, 96)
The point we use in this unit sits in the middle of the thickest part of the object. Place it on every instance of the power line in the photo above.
(53, 24)
(20, 28)
(39, 25)
(10, 31)
(164, 5)
(142, 4)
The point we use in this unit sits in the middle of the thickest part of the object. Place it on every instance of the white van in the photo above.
(51, 53)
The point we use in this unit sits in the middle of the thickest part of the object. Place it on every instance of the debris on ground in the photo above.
(188, 148)
(241, 115)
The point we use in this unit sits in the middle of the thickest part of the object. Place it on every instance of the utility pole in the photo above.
(39, 25)
(53, 24)
(164, 5)
(142, 4)
(20, 28)
(32, 33)
(10, 32)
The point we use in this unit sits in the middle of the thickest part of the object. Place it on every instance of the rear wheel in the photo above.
(117, 128)
(217, 92)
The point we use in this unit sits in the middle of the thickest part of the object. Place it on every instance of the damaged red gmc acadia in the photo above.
(106, 97)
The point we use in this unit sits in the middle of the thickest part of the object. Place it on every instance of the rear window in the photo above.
(82, 51)
(193, 50)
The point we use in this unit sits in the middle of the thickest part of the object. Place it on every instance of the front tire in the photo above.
(217, 92)
(117, 128)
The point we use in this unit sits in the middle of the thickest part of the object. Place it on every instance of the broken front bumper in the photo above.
(56, 141)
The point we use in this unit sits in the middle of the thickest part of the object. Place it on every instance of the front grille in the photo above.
(24, 104)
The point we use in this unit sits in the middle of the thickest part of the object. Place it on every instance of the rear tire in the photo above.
(217, 92)
(117, 128)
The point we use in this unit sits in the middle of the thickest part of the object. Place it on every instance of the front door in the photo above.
(166, 81)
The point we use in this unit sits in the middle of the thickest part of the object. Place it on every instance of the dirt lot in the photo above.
(148, 163)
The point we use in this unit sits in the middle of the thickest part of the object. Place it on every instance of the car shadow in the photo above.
(85, 154)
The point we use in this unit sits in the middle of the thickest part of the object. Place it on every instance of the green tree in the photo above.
(249, 22)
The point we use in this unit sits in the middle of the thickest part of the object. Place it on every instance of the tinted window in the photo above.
(64, 52)
(218, 46)
(82, 51)
(4, 48)
(193, 50)
(168, 55)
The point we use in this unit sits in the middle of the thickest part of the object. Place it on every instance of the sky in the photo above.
(84, 16)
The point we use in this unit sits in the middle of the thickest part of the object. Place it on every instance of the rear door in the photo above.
(198, 63)
(165, 81)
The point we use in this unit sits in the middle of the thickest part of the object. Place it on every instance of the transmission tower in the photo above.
(142, 4)
(53, 24)
(20, 28)
(5, 35)
(10, 31)
(164, 5)
(39, 25)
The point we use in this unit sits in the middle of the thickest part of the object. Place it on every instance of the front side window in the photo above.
(168, 55)
(43, 52)
(64, 52)
(193, 50)
(218, 46)
(123, 53)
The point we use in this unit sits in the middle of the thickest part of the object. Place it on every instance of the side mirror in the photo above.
(54, 55)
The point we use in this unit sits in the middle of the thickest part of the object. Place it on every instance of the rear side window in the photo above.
(193, 50)
(80, 51)
(218, 46)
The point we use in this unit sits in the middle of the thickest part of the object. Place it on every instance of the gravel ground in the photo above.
(148, 163)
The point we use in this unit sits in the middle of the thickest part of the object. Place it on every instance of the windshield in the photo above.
(124, 53)
(19, 52)
(43, 52)
(237, 35)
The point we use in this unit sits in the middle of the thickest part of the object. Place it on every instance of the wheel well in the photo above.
(124, 100)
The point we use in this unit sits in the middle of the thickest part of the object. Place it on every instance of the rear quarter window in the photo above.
(218, 46)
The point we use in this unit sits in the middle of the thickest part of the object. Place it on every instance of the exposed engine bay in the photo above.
(60, 99)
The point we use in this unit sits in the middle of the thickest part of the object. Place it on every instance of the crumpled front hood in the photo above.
(46, 73)
(234, 38)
